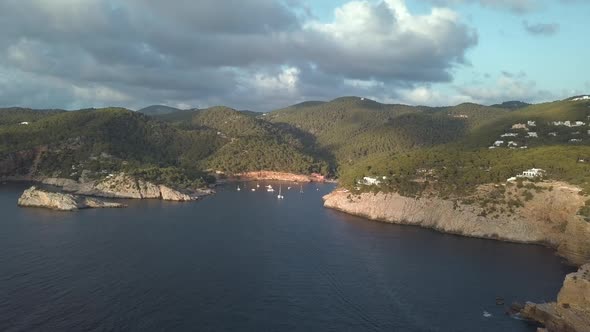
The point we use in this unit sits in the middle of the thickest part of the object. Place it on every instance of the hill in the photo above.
(158, 110)
(512, 105)
(551, 136)
(354, 128)
(16, 115)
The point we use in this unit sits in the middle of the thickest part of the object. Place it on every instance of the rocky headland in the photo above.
(571, 312)
(36, 197)
(123, 185)
(550, 218)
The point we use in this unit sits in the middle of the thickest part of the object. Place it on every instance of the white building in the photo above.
(532, 173)
(581, 98)
(369, 181)
(579, 124)
(509, 135)
(533, 134)
(554, 134)
(532, 123)
(512, 143)
(519, 126)
(498, 143)
(24, 123)
(575, 140)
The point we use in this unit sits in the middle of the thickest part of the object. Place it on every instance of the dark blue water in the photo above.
(243, 261)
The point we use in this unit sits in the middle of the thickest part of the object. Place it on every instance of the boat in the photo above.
(253, 189)
(280, 195)
(257, 185)
(239, 188)
(288, 188)
(301, 189)
(269, 188)
(487, 314)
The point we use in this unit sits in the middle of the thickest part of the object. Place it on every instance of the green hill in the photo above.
(354, 128)
(17, 115)
(158, 110)
(458, 167)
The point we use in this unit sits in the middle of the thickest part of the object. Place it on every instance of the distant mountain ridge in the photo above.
(158, 110)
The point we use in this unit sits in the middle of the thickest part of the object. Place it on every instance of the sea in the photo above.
(247, 261)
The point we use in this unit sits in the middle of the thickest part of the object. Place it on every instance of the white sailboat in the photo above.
(253, 189)
(269, 188)
(301, 189)
(239, 188)
(257, 185)
(280, 195)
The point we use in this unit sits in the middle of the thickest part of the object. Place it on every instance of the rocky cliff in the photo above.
(124, 186)
(549, 217)
(571, 312)
(35, 197)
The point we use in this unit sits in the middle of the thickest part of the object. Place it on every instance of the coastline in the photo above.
(549, 219)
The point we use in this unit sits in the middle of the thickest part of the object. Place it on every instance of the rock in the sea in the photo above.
(35, 197)
(571, 312)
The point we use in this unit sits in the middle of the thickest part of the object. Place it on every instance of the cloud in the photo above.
(80, 53)
(541, 29)
(515, 6)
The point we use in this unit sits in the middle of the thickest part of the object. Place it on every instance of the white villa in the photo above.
(509, 135)
(512, 143)
(569, 123)
(575, 140)
(533, 134)
(532, 123)
(25, 123)
(369, 181)
(532, 173)
(498, 143)
(519, 126)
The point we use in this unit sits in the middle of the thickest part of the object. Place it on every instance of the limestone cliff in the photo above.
(35, 197)
(549, 218)
(571, 312)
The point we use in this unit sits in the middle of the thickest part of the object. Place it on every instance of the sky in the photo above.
(266, 54)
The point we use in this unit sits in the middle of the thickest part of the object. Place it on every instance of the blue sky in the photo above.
(268, 54)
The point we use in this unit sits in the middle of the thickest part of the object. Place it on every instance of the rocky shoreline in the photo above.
(36, 197)
(70, 195)
(549, 218)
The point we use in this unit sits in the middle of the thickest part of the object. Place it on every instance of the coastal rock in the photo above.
(550, 218)
(571, 312)
(35, 197)
(169, 194)
(124, 186)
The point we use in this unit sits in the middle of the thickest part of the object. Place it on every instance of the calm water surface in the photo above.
(244, 261)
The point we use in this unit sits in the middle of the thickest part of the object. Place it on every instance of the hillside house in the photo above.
(562, 123)
(533, 134)
(512, 143)
(554, 134)
(509, 135)
(532, 123)
(580, 124)
(533, 173)
(24, 123)
(369, 181)
(498, 143)
(575, 140)
(519, 126)
(581, 98)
